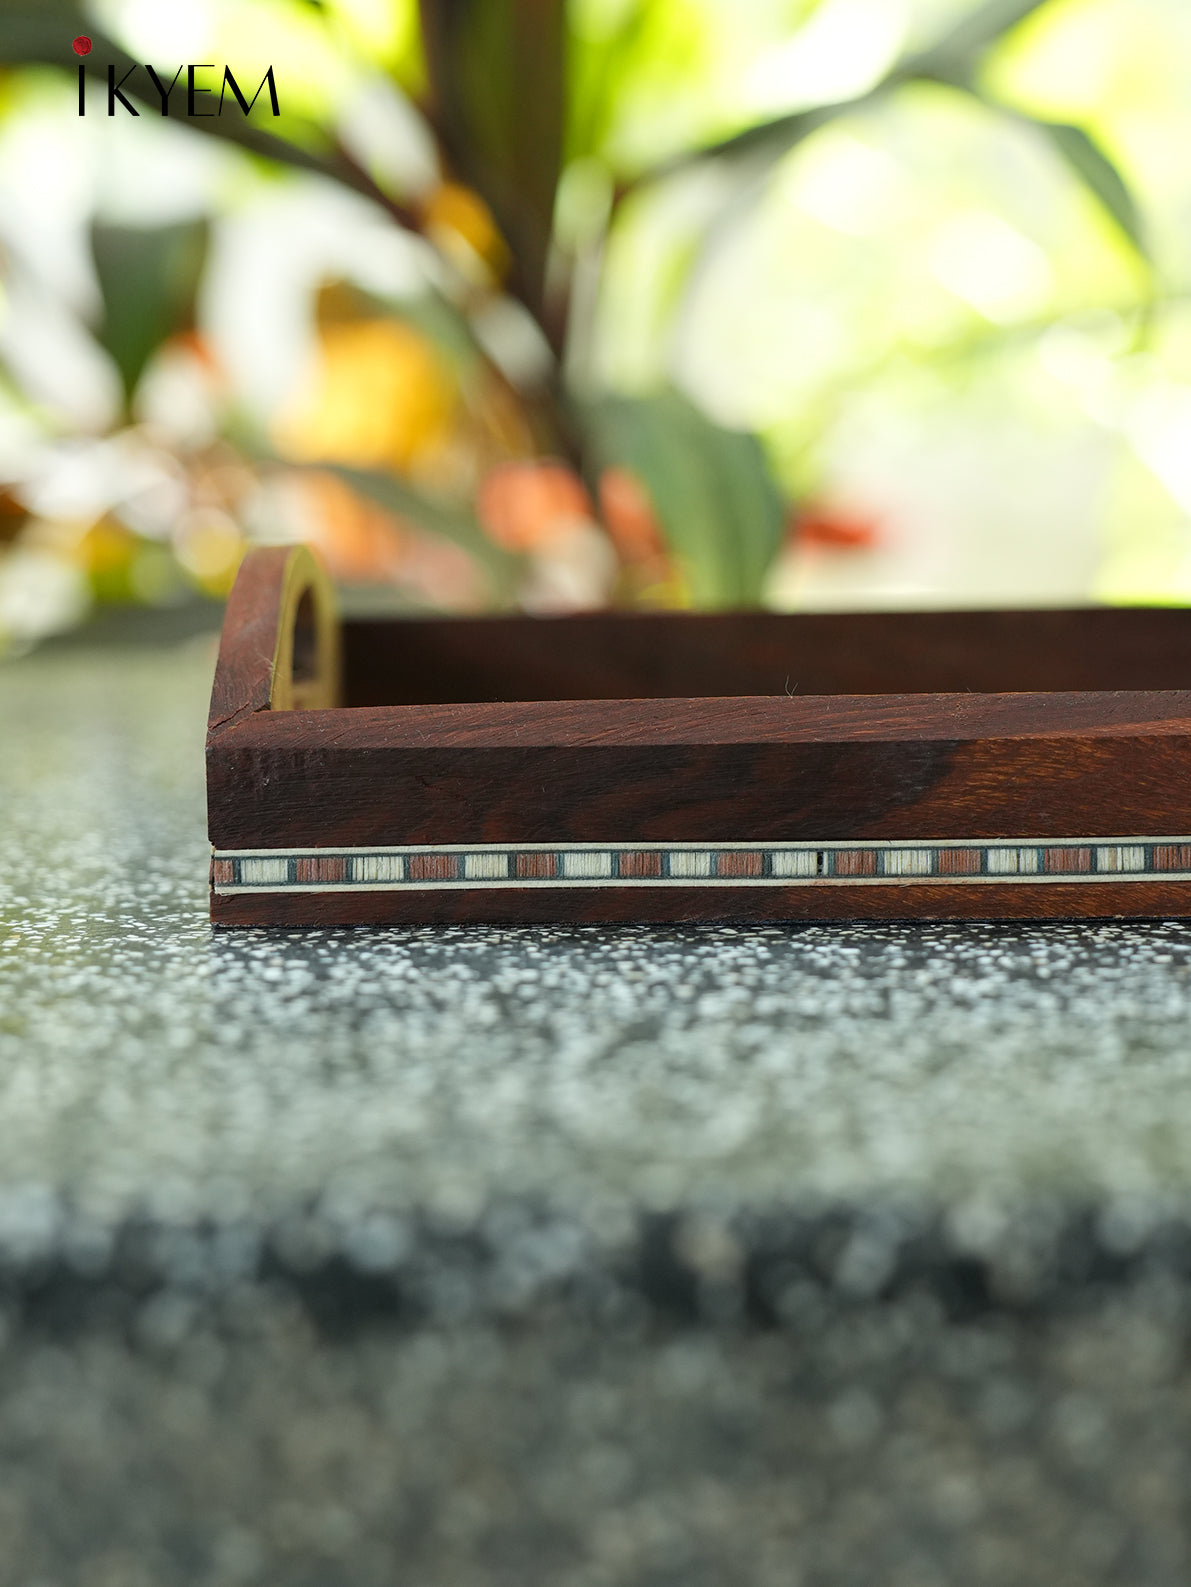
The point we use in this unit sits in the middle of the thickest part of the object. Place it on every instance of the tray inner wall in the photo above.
(664, 656)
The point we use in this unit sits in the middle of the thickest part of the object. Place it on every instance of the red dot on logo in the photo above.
(82, 45)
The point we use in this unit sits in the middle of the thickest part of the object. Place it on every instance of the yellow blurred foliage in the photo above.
(210, 546)
(380, 398)
(105, 549)
(120, 565)
(461, 224)
(106, 553)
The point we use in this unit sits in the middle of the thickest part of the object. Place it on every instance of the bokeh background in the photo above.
(797, 303)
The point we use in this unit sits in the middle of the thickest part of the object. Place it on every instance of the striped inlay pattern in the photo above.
(1020, 860)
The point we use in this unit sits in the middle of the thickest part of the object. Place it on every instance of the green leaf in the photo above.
(953, 62)
(952, 58)
(1090, 164)
(149, 278)
(721, 511)
(497, 73)
(769, 139)
(598, 67)
(40, 30)
(1101, 177)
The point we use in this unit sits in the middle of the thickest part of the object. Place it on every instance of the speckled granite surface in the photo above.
(612, 1257)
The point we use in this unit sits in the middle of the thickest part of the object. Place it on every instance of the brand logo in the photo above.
(200, 95)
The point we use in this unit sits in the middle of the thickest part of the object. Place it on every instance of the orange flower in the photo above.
(361, 542)
(817, 525)
(528, 506)
(629, 517)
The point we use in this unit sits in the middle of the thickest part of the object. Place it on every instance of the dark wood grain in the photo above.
(248, 643)
(610, 906)
(826, 719)
(611, 656)
(748, 770)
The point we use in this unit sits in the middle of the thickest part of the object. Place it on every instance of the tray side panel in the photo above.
(268, 796)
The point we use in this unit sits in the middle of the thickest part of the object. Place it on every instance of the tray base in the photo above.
(1095, 900)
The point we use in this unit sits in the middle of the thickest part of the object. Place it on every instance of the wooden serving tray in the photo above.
(933, 765)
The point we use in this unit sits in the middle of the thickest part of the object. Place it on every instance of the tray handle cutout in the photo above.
(281, 644)
(306, 664)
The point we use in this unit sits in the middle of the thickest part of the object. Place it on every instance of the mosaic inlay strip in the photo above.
(495, 865)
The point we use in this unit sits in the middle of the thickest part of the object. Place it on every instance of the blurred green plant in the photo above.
(149, 280)
(518, 105)
(720, 510)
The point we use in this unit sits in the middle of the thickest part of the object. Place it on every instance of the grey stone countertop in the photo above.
(597, 1256)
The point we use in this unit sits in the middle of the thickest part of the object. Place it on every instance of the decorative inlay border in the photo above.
(1019, 861)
